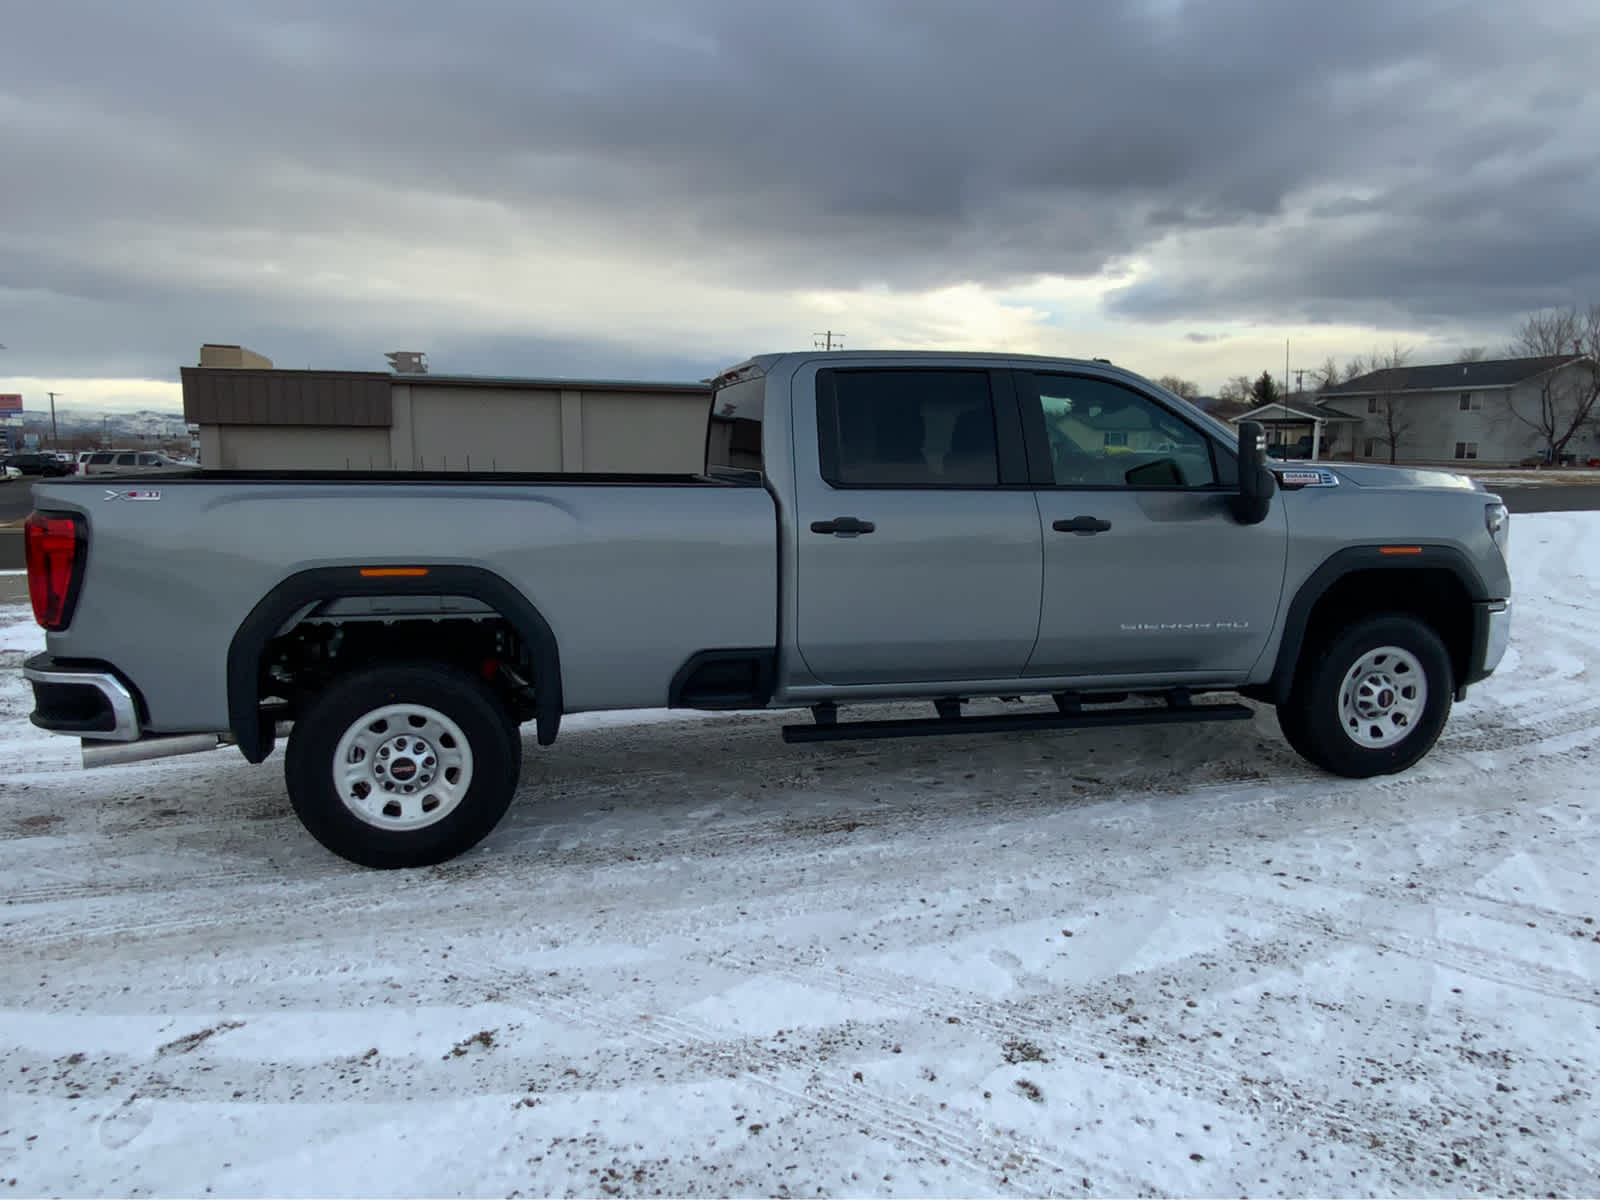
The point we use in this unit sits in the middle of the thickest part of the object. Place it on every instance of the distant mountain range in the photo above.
(110, 426)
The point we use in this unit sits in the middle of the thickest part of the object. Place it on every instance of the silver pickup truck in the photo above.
(869, 527)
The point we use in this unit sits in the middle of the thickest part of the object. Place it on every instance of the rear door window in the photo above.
(907, 428)
(126, 460)
(100, 460)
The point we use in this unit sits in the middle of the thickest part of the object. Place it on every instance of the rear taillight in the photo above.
(55, 552)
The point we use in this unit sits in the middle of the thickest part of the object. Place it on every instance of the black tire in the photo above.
(492, 742)
(1323, 718)
(1292, 723)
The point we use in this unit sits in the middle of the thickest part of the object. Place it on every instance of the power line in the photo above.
(827, 340)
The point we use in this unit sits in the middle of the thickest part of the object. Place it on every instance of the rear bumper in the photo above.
(86, 699)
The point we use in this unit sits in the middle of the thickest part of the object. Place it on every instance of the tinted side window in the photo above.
(100, 460)
(1105, 435)
(125, 460)
(733, 439)
(149, 460)
(907, 428)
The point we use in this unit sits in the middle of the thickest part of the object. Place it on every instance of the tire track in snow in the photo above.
(1212, 809)
(1507, 970)
(1165, 781)
(861, 1104)
(1280, 1104)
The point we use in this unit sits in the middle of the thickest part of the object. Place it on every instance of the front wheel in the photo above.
(402, 765)
(1373, 701)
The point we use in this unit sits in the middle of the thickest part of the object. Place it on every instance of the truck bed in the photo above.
(633, 585)
(731, 478)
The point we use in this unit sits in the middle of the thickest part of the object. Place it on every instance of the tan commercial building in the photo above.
(253, 416)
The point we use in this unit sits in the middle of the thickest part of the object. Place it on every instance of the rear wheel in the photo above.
(402, 765)
(1373, 701)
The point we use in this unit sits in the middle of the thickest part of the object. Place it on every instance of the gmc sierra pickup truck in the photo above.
(868, 527)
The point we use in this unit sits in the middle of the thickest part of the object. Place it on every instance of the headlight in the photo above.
(1498, 518)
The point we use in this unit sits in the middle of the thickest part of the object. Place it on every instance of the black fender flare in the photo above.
(250, 640)
(1347, 562)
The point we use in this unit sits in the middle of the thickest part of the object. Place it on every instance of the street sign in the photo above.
(11, 402)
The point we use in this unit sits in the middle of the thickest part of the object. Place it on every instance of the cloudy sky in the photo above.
(658, 188)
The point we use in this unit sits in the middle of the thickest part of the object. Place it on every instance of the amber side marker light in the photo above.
(393, 572)
(1400, 550)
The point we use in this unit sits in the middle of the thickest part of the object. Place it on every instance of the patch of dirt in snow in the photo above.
(696, 960)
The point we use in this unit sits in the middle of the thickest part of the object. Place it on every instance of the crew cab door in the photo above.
(917, 546)
(1146, 569)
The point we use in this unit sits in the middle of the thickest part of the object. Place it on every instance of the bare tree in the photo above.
(1566, 400)
(1186, 388)
(1328, 374)
(1472, 354)
(1395, 417)
(1357, 366)
(1234, 397)
(1553, 331)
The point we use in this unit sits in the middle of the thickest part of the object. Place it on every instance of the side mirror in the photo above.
(1256, 483)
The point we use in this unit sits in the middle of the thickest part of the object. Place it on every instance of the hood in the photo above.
(1372, 475)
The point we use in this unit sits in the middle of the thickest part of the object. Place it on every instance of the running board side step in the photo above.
(834, 731)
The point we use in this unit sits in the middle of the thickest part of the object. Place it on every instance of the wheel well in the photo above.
(322, 622)
(302, 659)
(1434, 595)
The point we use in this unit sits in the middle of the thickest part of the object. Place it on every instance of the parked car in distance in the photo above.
(43, 465)
(113, 462)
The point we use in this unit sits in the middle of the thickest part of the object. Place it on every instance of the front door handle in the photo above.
(1081, 525)
(843, 526)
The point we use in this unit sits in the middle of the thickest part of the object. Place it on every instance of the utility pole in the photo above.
(826, 339)
(1299, 377)
(55, 438)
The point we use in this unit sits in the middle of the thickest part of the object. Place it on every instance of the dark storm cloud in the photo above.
(1270, 160)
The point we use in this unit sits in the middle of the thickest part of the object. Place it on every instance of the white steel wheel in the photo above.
(1372, 699)
(402, 764)
(402, 767)
(1382, 697)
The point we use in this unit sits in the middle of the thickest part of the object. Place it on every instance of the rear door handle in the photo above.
(1081, 525)
(843, 526)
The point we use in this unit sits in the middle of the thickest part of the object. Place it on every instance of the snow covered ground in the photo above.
(695, 960)
(1546, 477)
